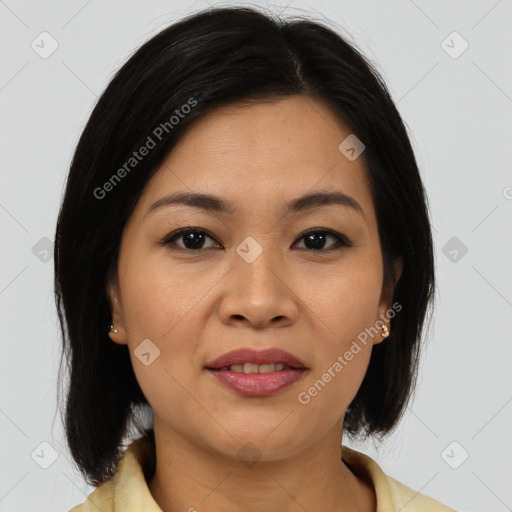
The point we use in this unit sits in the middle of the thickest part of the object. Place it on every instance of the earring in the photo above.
(115, 331)
(384, 334)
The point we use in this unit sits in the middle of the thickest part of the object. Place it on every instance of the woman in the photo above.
(243, 251)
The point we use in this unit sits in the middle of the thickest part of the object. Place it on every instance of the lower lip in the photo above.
(258, 384)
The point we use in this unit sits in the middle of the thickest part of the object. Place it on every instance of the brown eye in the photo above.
(192, 238)
(315, 240)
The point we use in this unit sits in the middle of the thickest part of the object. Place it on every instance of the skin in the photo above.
(195, 306)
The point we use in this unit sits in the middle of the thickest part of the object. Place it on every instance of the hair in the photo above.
(213, 58)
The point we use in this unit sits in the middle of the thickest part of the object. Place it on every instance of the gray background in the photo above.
(458, 110)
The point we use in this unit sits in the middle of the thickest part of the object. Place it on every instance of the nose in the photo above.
(259, 294)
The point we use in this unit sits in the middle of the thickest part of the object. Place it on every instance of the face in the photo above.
(252, 278)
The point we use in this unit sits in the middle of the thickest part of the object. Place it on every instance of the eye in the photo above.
(194, 238)
(315, 238)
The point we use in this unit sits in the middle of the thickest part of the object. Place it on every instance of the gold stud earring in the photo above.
(115, 331)
(384, 334)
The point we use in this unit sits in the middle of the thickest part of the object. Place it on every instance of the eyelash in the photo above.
(343, 242)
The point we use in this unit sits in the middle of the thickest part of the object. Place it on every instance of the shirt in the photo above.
(127, 489)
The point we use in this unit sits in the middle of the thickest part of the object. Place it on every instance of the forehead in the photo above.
(262, 154)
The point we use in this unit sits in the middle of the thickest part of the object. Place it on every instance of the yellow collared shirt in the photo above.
(127, 490)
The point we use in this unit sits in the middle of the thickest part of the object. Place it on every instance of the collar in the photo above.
(131, 492)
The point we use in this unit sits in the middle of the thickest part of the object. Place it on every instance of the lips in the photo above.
(259, 357)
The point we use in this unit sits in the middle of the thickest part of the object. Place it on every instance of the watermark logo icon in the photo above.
(249, 249)
(146, 352)
(454, 455)
(43, 250)
(249, 454)
(454, 249)
(454, 45)
(44, 45)
(44, 455)
(351, 147)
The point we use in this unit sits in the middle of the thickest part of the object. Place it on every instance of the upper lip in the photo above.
(249, 355)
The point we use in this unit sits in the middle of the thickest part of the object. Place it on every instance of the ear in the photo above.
(385, 300)
(116, 310)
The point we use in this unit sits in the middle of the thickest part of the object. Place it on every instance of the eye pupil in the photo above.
(318, 243)
(193, 239)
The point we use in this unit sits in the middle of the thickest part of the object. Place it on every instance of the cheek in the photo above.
(156, 295)
(344, 301)
(158, 307)
(328, 392)
(343, 311)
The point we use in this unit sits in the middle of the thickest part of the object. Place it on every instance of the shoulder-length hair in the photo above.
(210, 59)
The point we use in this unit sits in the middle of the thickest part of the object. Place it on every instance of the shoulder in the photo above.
(126, 490)
(102, 498)
(392, 495)
(406, 499)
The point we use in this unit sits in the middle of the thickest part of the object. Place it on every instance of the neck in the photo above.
(190, 477)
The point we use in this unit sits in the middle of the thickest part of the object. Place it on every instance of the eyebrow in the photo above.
(216, 204)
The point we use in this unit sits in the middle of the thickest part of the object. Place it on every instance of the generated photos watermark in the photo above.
(151, 142)
(305, 397)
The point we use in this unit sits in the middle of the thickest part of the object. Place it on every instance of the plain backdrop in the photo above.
(448, 67)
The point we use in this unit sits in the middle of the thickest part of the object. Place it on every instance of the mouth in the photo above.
(249, 360)
(256, 368)
(258, 384)
(257, 373)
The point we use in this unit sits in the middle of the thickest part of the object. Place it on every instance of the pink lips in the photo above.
(257, 384)
(248, 355)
